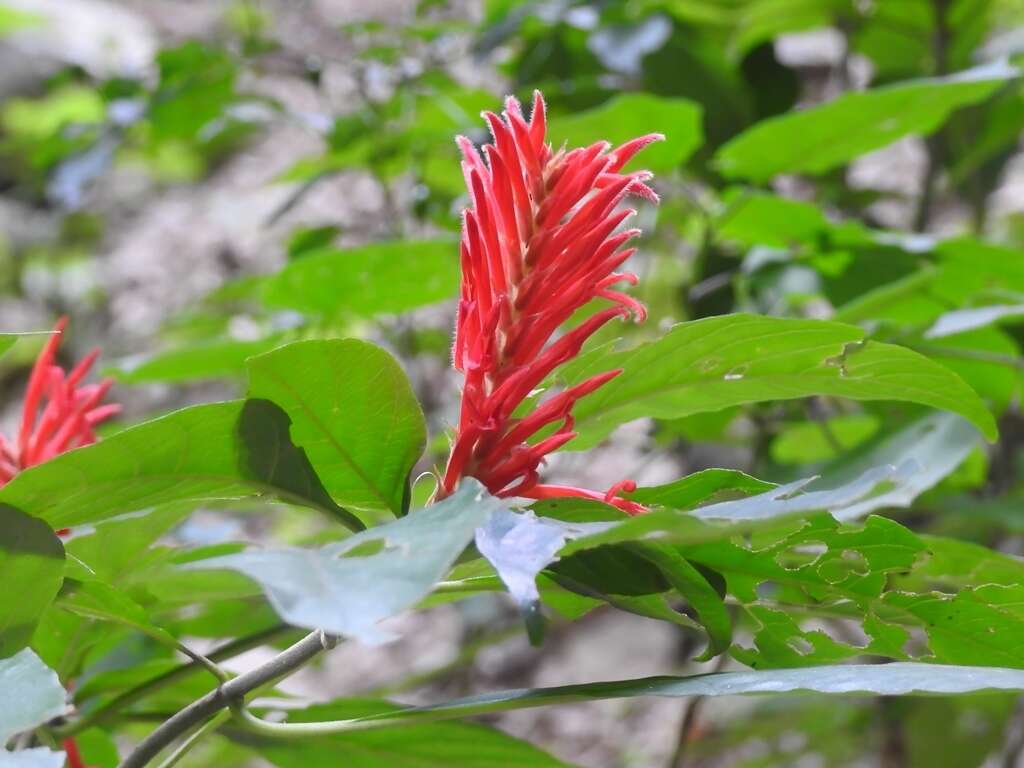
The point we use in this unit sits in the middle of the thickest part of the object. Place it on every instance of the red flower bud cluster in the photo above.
(59, 412)
(540, 241)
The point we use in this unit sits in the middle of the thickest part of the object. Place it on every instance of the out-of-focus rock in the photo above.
(103, 38)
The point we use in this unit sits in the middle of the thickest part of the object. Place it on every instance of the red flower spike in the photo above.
(539, 242)
(58, 413)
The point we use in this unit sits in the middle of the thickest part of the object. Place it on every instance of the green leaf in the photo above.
(757, 218)
(707, 486)
(692, 585)
(208, 452)
(438, 745)
(8, 340)
(895, 679)
(354, 413)
(629, 115)
(118, 549)
(346, 588)
(99, 601)
(717, 362)
(982, 625)
(763, 20)
(32, 564)
(217, 359)
(381, 278)
(810, 442)
(13, 19)
(822, 564)
(791, 500)
(820, 138)
(32, 695)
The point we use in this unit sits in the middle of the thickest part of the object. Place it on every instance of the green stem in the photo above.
(111, 709)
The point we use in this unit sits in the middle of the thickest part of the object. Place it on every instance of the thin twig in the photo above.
(1014, 746)
(688, 726)
(109, 710)
(936, 144)
(228, 695)
(686, 732)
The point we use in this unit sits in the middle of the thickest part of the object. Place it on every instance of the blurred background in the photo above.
(196, 181)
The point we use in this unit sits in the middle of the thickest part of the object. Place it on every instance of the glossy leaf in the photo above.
(718, 362)
(820, 138)
(354, 414)
(201, 454)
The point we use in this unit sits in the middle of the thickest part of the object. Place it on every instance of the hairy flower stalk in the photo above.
(59, 412)
(539, 242)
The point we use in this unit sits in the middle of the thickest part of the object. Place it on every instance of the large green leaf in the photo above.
(439, 745)
(7, 341)
(346, 588)
(822, 563)
(204, 453)
(353, 412)
(32, 568)
(32, 694)
(865, 575)
(717, 362)
(369, 280)
(895, 679)
(820, 138)
(633, 114)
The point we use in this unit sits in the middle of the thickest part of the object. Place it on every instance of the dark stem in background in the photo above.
(687, 729)
(691, 713)
(894, 747)
(936, 144)
(1014, 746)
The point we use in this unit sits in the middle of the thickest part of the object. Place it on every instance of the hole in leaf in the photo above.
(367, 548)
(767, 590)
(801, 645)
